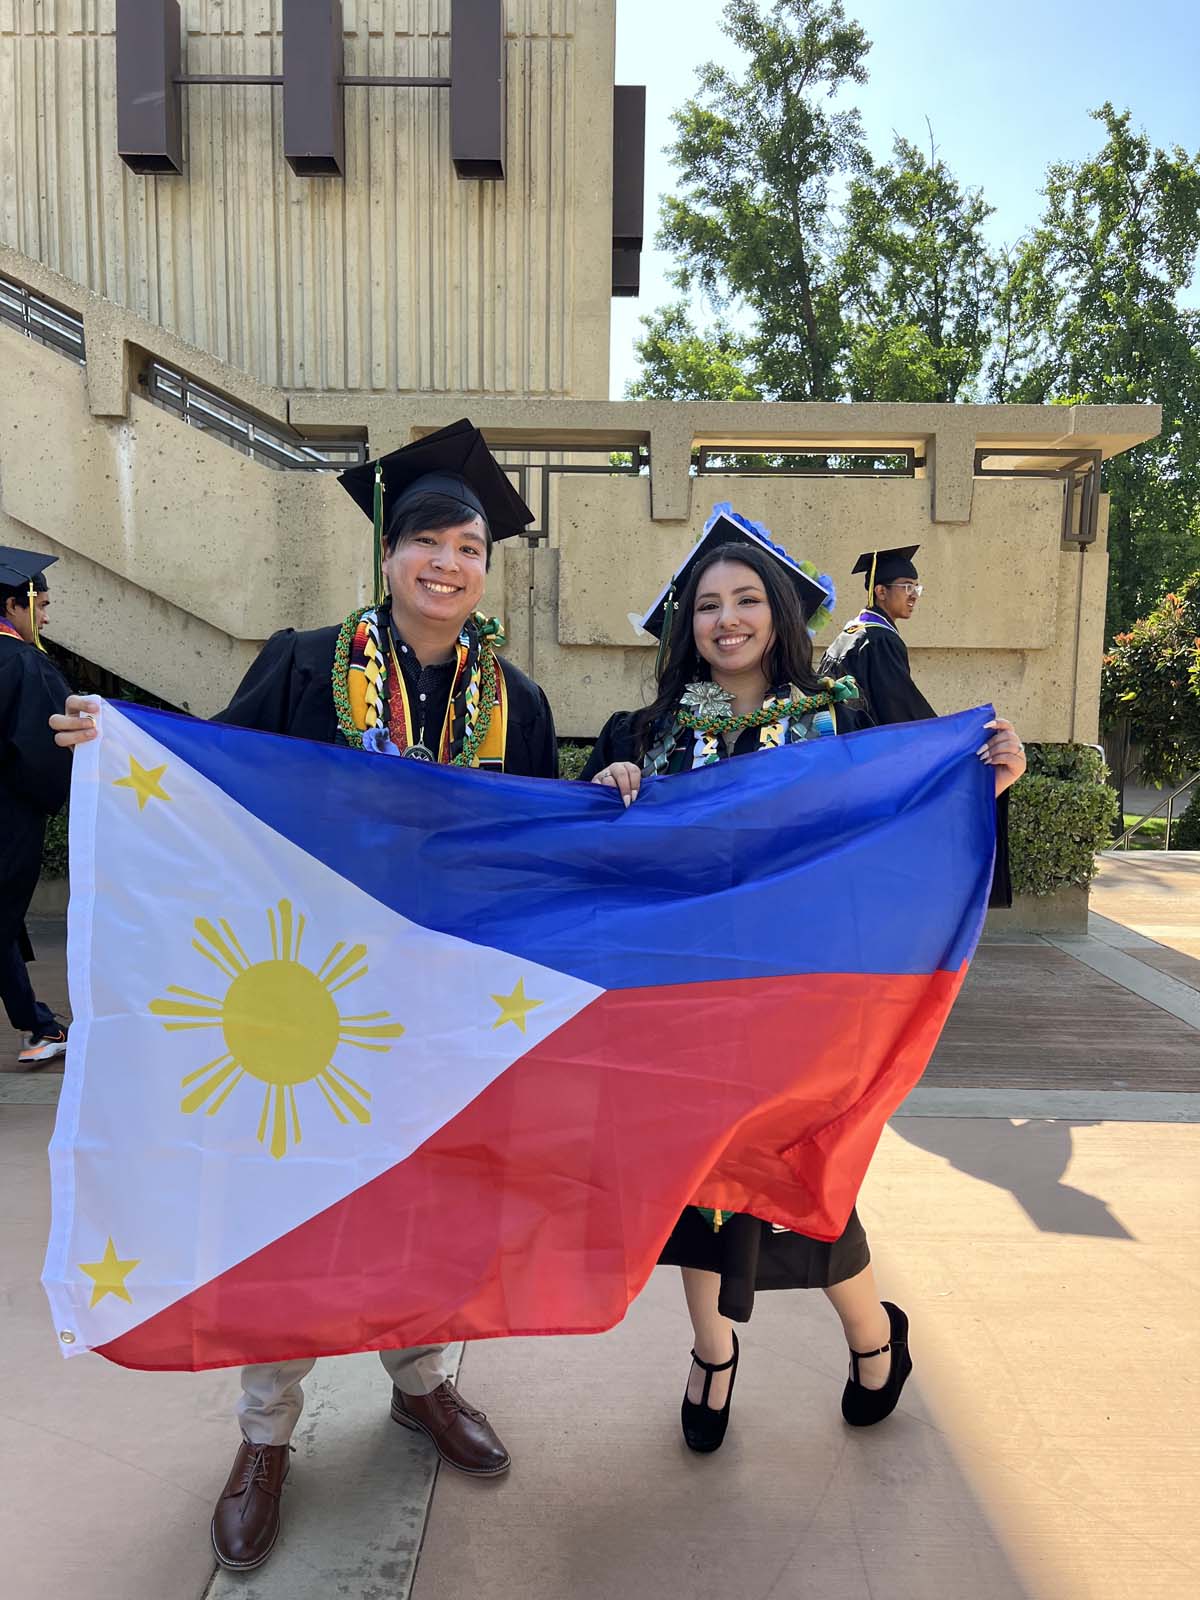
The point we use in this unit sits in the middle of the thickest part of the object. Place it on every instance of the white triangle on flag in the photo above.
(233, 1067)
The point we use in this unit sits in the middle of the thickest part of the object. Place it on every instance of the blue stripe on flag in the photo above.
(871, 852)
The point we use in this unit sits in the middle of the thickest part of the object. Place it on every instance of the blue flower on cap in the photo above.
(723, 508)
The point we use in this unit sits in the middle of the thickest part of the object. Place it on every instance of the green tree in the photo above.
(917, 278)
(756, 152)
(1150, 690)
(1090, 312)
(678, 363)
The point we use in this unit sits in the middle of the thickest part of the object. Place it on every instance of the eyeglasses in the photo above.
(916, 590)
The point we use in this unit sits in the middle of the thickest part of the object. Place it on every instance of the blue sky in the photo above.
(1006, 87)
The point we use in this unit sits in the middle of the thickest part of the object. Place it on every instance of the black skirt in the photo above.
(750, 1254)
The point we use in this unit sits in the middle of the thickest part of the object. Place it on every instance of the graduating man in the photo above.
(34, 780)
(870, 648)
(414, 676)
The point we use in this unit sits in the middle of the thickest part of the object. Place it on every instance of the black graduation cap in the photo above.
(885, 566)
(725, 526)
(454, 462)
(20, 568)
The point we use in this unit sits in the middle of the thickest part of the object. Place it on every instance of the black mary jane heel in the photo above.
(862, 1407)
(704, 1426)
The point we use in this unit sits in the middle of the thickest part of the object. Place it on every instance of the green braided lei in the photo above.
(490, 634)
(713, 721)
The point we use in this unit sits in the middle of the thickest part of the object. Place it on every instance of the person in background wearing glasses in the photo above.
(870, 648)
(872, 652)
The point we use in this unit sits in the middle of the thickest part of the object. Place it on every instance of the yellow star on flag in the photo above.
(144, 781)
(514, 1007)
(108, 1275)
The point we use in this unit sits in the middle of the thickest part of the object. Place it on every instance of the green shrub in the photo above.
(1074, 763)
(572, 758)
(1061, 813)
(1185, 835)
(54, 856)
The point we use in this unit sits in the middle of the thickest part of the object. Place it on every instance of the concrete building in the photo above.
(213, 293)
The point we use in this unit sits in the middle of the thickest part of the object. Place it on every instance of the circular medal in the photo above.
(419, 752)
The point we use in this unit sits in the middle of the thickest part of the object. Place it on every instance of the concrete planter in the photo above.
(1064, 911)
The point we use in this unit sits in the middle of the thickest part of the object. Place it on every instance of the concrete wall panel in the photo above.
(400, 277)
(616, 559)
(243, 547)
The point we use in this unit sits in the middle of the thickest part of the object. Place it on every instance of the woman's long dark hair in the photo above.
(789, 660)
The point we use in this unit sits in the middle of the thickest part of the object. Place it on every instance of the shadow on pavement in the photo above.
(1026, 1158)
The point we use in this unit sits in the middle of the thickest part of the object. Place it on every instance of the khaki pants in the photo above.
(272, 1398)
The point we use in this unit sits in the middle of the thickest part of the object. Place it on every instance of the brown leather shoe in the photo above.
(462, 1436)
(245, 1524)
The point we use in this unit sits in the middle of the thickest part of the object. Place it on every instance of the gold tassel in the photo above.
(37, 640)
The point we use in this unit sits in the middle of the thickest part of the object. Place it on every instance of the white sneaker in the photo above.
(44, 1047)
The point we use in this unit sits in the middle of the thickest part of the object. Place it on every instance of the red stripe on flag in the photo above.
(542, 1207)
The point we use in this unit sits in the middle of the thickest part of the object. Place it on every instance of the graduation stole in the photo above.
(369, 693)
(7, 629)
(874, 619)
(785, 717)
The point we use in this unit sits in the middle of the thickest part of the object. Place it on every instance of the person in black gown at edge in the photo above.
(734, 676)
(415, 675)
(34, 780)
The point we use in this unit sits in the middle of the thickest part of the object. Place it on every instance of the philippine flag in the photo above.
(371, 1054)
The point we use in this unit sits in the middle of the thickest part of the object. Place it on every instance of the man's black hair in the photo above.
(430, 513)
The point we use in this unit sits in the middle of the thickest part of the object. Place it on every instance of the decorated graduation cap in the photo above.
(25, 570)
(454, 462)
(886, 566)
(727, 527)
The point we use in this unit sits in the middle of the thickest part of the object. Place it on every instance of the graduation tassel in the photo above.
(871, 585)
(33, 619)
(379, 533)
(664, 638)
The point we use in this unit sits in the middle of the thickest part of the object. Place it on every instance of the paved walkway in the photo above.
(1035, 1210)
(1156, 894)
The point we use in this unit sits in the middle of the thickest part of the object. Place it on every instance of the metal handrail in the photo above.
(1169, 805)
(42, 320)
(261, 438)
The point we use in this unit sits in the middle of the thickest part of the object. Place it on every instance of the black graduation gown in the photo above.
(876, 657)
(35, 775)
(289, 689)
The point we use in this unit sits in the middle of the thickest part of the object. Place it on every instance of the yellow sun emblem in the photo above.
(281, 1025)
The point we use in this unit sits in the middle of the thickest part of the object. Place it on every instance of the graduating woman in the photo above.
(735, 675)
